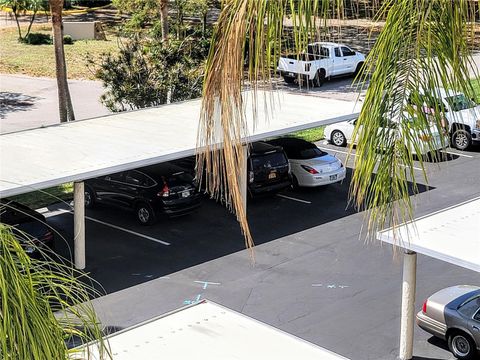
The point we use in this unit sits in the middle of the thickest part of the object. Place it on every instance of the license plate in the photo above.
(29, 249)
(291, 74)
(185, 193)
(272, 175)
(333, 177)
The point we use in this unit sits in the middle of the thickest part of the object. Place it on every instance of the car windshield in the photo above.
(460, 102)
(268, 160)
(179, 178)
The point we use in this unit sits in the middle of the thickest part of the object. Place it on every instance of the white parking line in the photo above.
(337, 151)
(455, 153)
(294, 199)
(128, 231)
(63, 211)
(353, 154)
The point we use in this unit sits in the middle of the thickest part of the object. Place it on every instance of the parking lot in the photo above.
(312, 273)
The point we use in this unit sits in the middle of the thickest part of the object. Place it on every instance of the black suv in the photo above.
(268, 169)
(28, 226)
(267, 165)
(163, 189)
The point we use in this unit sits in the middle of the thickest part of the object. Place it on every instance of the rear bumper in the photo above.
(180, 207)
(268, 188)
(324, 179)
(431, 326)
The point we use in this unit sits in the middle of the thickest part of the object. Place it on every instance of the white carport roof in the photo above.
(208, 331)
(450, 235)
(40, 158)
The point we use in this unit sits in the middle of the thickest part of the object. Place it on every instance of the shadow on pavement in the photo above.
(13, 102)
(118, 259)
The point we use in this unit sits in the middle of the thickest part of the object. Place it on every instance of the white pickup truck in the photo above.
(322, 60)
(462, 115)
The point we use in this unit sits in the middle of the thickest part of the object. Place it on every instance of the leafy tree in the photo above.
(147, 73)
(64, 100)
(42, 304)
(20, 7)
(423, 45)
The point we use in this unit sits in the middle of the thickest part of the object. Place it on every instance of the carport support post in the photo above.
(242, 181)
(79, 224)
(408, 304)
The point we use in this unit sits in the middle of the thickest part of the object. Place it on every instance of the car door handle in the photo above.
(345, 59)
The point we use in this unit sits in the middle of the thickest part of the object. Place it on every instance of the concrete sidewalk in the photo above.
(29, 102)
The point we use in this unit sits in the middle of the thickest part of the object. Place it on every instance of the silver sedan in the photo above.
(453, 314)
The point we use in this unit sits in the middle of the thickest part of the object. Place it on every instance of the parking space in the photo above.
(312, 276)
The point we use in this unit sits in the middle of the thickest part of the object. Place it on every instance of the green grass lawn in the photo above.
(311, 135)
(39, 60)
(38, 199)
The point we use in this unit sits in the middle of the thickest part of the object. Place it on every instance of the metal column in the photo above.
(408, 304)
(79, 224)
(243, 176)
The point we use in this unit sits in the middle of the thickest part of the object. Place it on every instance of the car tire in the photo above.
(289, 79)
(90, 197)
(462, 346)
(295, 184)
(319, 78)
(358, 69)
(338, 138)
(145, 214)
(461, 139)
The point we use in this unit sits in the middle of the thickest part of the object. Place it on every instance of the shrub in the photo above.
(38, 39)
(67, 40)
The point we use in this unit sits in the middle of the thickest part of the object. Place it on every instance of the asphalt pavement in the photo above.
(312, 275)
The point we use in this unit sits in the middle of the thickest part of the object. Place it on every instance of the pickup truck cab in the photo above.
(461, 113)
(321, 61)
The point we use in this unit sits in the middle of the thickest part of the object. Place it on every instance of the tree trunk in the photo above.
(64, 101)
(14, 10)
(164, 18)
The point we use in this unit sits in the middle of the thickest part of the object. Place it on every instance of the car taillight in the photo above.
(165, 191)
(47, 237)
(424, 307)
(251, 177)
(309, 169)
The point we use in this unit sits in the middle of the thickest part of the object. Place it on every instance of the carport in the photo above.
(449, 235)
(71, 152)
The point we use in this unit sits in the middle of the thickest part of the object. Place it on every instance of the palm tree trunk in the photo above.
(64, 101)
(164, 18)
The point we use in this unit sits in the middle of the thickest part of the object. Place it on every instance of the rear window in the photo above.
(269, 160)
(469, 307)
(180, 177)
(305, 153)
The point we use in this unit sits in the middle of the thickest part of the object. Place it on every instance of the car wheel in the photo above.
(289, 79)
(461, 139)
(145, 214)
(295, 184)
(319, 78)
(338, 138)
(358, 69)
(462, 346)
(90, 197)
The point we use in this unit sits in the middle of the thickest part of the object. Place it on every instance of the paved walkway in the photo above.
(29, 102)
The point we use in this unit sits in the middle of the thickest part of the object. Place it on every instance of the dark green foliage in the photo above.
(67, 40)
(38, 39)
(147, 71)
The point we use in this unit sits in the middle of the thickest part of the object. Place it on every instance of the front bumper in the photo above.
(476, 135)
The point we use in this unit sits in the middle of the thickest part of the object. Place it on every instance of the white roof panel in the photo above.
(450, 235)
(40, 158)
(208, 331)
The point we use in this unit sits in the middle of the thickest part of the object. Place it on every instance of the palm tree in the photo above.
(163, 6)
(424, 45)
(43, 303)
(64, 100)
